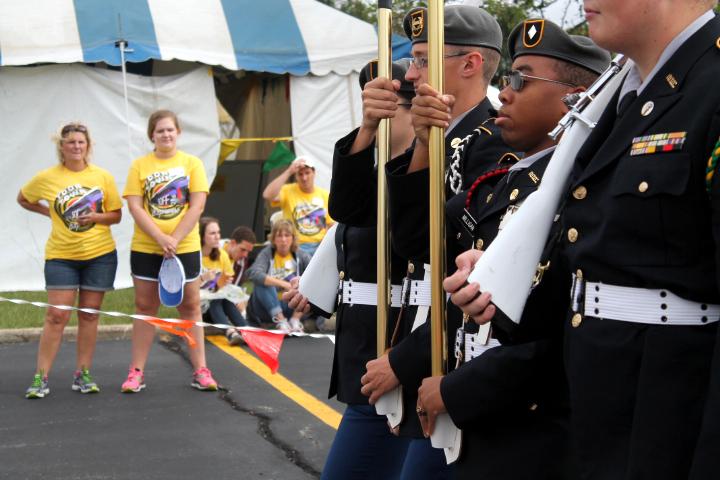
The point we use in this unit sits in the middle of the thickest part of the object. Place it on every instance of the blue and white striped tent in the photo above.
(278, 36)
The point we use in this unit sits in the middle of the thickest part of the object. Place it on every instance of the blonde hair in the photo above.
(283, 225)
(66, 130)
(158, 115)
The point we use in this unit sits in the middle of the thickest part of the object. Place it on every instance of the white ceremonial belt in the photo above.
(475, 346)
(360, 293)
(641, 305)
(417, 292)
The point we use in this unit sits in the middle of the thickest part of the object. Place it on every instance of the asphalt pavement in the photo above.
(247, 430)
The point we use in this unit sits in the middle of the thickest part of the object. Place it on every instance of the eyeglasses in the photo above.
(422, 62)
(516, 80)
(408, 105)
(73, 127)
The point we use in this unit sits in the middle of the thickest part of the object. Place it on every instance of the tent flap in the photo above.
(277, 36)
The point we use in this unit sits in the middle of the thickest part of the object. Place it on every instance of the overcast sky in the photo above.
(566, 13)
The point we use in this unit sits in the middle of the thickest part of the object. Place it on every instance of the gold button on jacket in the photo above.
(572, 235)
(580, 193)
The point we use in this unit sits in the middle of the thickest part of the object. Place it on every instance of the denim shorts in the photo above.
(96, 274)
(146, 266)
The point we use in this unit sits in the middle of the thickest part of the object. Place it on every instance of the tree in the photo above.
(507, 12)
(367, 10)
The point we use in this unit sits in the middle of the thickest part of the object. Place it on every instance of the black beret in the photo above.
(399, 68)
(544, 38)
(464, 25)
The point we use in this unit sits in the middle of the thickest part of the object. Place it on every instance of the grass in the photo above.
(28, 316)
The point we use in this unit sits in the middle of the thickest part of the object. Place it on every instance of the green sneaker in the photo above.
(84, 383)
(39, 387)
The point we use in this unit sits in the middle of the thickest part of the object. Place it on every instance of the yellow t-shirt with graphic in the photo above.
(284, 267)
(308, 211)
(222, 267)
(70, 194)
(165, 186)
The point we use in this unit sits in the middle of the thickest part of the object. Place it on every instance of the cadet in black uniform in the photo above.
(510, 396)
(473, 40)
(363, 447)
(640, 234)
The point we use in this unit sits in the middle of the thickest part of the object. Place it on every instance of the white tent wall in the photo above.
(323, 110)
(35, 102)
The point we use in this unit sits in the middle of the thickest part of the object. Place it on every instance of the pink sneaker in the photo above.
(203, 380)
(135, 381)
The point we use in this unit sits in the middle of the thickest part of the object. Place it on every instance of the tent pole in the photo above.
(122, 44)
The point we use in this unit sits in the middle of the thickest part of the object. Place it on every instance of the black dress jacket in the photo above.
(352, 203)
(409, 217)
(637, 218)
(511, 401)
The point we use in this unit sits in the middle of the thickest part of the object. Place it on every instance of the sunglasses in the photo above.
(73, 127)
(422, 62)
(516, 80)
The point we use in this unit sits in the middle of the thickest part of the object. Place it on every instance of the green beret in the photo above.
(399, 68)
(544, 38)
(464, 25)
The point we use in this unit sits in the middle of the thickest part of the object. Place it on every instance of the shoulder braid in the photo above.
(453, 175)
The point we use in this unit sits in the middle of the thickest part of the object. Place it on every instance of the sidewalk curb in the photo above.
(24, 335)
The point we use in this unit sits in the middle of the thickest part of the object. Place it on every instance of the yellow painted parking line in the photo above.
(325, 413)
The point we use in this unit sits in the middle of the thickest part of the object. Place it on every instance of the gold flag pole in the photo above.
(436, 42)
(384, 14)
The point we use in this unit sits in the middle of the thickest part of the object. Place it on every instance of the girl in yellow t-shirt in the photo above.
(217, 270)
(82, 202)
(166, 192)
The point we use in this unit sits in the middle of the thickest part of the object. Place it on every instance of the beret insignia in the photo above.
(533, 32)
(417, 22)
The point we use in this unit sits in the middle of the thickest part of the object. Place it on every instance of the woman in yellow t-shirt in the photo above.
(166, 192)
(82, 202)
(217, 271)
(271, 272)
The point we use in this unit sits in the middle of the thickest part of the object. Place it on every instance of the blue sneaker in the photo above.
(39, 387)
(83, 382)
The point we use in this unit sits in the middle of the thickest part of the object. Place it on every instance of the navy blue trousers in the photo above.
(364, 448)
(423, 462)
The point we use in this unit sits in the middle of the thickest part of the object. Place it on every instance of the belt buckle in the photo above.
(340, 292)
(405, 291)
(577, 294)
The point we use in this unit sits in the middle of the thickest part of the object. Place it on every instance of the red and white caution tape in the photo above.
(266, 343)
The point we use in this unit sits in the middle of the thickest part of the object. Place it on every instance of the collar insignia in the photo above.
(508, 158)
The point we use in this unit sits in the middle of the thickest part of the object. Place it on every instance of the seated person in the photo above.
(239, 247)
(217, 270)
(275, 266)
